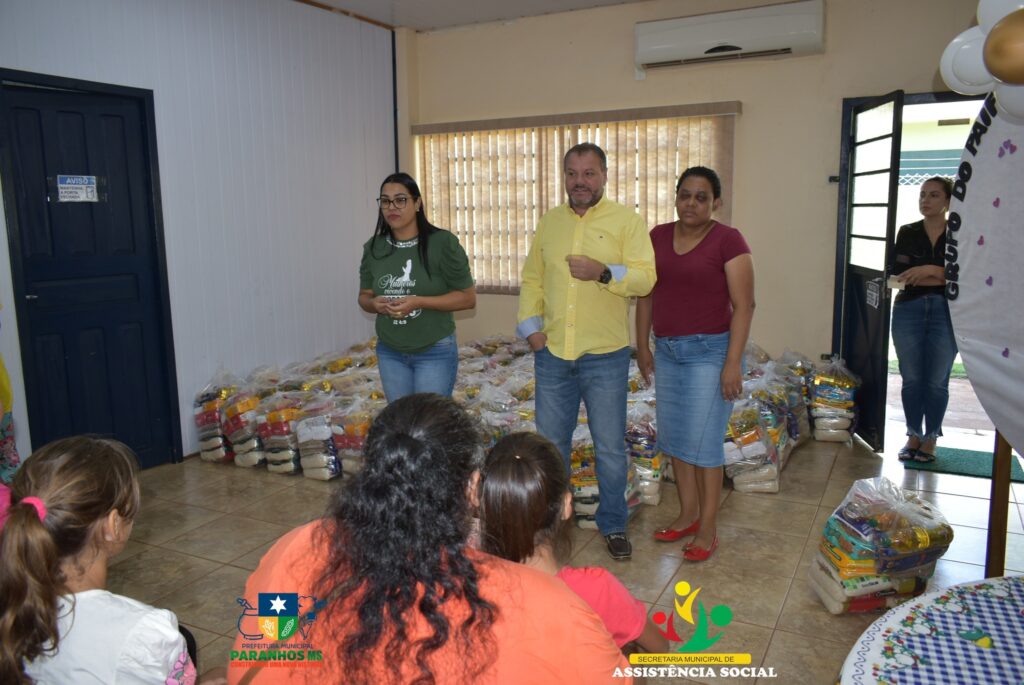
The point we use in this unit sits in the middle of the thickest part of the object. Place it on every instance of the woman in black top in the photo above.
(921, 328)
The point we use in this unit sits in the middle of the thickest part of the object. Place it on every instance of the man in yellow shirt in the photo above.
(588, 257)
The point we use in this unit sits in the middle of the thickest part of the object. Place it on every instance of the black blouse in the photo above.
(914, 248)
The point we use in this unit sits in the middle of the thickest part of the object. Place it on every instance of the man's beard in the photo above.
(595, 198)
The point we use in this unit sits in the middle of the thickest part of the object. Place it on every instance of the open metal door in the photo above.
(867, 218)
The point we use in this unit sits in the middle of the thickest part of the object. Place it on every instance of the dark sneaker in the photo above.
(618, 546)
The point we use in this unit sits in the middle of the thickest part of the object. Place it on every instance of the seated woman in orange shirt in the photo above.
(394, 595)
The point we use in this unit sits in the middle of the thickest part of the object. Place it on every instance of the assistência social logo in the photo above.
(276, 632)
(689, 660)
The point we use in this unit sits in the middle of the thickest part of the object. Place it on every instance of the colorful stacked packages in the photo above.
(207, 408)
(878, 548)
(833, 412)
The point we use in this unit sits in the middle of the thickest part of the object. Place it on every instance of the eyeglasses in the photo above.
(398, 203)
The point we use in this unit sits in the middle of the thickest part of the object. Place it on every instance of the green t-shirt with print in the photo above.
(394, 269)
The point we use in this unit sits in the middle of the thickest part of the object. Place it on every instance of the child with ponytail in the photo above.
(525, 510)
(68, 511)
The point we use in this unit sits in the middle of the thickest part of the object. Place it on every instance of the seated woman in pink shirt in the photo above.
(526, 512)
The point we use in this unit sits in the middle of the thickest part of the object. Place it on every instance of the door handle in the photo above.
(31, 297)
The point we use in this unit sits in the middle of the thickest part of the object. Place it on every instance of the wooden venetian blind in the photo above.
(490, 185)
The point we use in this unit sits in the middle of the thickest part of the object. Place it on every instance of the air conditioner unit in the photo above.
(794, 28)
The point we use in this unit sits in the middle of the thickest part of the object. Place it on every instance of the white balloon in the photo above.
(991, 11)
(969, 61)
(1010, 103)
(958, 67)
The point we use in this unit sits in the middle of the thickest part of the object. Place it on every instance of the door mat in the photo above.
(965, 463)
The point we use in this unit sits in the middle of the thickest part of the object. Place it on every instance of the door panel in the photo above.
(863, 304)
(91, 318)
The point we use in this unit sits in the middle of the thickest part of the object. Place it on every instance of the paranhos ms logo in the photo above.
(268, 629)
(689, 659)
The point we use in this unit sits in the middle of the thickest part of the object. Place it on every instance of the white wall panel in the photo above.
(274, 129)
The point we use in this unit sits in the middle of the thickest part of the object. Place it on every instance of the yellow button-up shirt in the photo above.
(585, 317)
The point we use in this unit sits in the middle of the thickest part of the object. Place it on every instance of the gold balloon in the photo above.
(1004, 49)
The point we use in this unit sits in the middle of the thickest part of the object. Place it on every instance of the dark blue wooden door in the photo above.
(871, 172)
(84, 257)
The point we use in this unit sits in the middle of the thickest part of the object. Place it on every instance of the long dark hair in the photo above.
(398, 542)
(522, 498)
(80, 481)
(383, 230)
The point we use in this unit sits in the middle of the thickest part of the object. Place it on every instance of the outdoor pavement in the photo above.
(966, 425)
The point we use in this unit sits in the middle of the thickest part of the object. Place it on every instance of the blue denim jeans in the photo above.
(601, 381)
(432, 370)
(923, 335)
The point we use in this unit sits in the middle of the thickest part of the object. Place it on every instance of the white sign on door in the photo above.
(76, 188)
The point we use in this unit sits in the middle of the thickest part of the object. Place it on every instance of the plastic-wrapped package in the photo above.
(833, 423)
(833, 389)
(207, 415)
(755, 354)
(858, 586)
(801, 367)
(642, 450)
(834, 386)
(283, 461)
(321, 466)
(878, 548)
(761, 479)
(251, 458)
(239, 416)
(749, 446)
(583, 469)
(833, 598)
(520, 384)
(250, 452)
(823, 435)
(318, 454)
(211, 443)
(495, 398)
(218, 454)
(496, 425)
(586, 510)
(895, 520)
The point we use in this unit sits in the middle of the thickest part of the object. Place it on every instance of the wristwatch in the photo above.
(606, 276)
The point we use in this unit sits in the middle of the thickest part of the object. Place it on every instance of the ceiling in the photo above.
(428, 15)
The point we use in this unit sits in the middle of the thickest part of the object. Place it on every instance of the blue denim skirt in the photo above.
(692, 416)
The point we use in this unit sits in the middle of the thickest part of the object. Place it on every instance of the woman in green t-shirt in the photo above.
(413, 275)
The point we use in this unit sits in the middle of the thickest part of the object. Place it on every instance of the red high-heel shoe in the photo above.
(672, 535)
(694, 553)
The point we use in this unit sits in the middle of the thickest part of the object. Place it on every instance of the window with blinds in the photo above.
(490, 182)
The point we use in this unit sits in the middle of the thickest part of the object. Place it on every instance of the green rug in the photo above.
(965, 463)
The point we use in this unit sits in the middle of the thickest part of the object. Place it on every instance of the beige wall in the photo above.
(787, 139)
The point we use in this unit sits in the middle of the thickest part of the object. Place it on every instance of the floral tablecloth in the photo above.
(968, 633)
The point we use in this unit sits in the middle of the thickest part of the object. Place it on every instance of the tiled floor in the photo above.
(203, 528)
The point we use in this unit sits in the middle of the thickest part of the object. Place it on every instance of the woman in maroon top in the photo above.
(701, 308)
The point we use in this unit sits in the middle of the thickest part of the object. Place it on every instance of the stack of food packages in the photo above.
(317, 412)
(313, 417)
(801, 370)
(239, 420)
(751, 458)
(641, 442)
(833, 412)
(878, 548)
(206, 413)
(766, 425)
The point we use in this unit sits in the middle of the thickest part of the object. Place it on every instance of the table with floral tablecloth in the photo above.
(967, 633)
